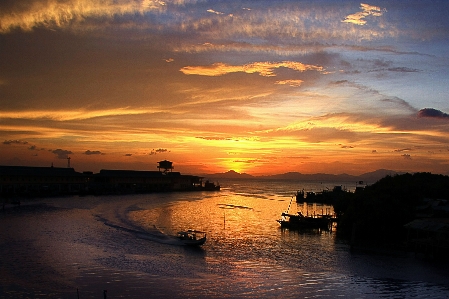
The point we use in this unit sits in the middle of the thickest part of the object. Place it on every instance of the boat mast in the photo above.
(289, 205)
(288, 209)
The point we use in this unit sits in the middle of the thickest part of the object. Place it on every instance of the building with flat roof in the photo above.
(40, 181)
(47, 181)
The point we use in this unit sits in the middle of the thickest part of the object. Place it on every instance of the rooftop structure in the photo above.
(47, 181)
(165, 166)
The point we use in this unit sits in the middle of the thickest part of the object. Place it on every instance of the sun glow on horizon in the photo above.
(280, 86)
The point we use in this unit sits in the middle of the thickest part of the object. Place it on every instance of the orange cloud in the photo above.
(293, 83)
(358, 18)
(338, 122)
(65, 115)
(265, 69)
(56, 13)
(215, 12)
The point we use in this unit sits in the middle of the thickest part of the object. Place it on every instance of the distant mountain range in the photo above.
(369, 177)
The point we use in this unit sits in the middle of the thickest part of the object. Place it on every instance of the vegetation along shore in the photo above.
(407, 211)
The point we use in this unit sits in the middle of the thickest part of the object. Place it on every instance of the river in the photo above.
(77, 247)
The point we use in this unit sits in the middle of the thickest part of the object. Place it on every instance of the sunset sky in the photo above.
(262, 87)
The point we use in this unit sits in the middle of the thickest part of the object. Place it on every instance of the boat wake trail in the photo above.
(154, 235)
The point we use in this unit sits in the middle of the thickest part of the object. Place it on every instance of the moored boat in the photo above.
(299, 221)
(192, 237)
(211, 186)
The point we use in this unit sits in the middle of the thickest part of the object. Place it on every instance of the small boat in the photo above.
(211, 186)
(192, 237)
(299, 221)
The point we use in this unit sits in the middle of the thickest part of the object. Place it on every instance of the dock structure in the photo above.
(26, 181)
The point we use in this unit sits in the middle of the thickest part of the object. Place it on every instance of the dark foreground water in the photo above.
(77, 247)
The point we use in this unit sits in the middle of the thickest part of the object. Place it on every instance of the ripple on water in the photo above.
(246, 254)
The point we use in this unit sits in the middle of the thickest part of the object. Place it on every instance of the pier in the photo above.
(25, 181)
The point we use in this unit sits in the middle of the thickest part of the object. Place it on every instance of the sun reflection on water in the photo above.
(112, 241)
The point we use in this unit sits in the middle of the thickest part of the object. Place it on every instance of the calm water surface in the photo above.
(119, 244)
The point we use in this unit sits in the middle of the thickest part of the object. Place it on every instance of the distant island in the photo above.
(369, 177)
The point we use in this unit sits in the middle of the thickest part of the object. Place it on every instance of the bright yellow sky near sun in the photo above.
(262, 87)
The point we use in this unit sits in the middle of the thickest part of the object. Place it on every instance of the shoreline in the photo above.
(52, 250)
(54, 246)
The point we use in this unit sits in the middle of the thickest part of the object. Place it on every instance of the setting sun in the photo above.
(263, 88)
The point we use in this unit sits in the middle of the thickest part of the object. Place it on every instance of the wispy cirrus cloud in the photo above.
(265, 69)
(215, 138)
(55, 13)
(285, 21)
(403, 69)
(340, 122)
(80, 114)
(403, 150)
(293, 83)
